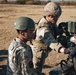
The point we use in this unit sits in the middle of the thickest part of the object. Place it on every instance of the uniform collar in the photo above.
(18, 40)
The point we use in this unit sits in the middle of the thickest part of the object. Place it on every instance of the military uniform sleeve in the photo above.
(20, 61)
(51, 41)
(45, 35)
(24, 58)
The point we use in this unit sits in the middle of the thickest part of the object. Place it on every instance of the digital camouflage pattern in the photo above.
(20, 59)
(53, 9)
(44, 42)
(46, 32)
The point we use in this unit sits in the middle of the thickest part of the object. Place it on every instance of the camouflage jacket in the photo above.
(47, 33)
(19, 59)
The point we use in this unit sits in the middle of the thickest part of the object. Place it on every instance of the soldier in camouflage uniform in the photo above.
(19, 53)
(46, 35)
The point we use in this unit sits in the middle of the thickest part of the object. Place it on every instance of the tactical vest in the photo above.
(53, 30)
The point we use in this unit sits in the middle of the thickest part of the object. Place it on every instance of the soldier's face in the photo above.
(28, 34)
(31, 33)
(52, 19)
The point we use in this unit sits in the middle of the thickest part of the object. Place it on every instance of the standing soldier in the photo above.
(46, 35)
(19, 53)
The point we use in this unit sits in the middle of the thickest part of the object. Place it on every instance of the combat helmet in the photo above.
(23, 23)
(53, 9)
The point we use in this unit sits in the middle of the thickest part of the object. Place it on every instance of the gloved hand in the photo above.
(68, 50)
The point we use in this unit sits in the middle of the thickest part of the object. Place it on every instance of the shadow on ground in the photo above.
(3, 57)
(46, 66)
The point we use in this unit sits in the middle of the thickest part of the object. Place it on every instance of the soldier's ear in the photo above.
(21, 32)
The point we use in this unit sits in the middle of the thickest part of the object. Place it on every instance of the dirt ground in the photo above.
(9, 13)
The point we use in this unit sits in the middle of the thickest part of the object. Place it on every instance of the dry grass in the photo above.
(8, 14)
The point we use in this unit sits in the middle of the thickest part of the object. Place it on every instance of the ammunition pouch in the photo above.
(42, 49)
(40, 45)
